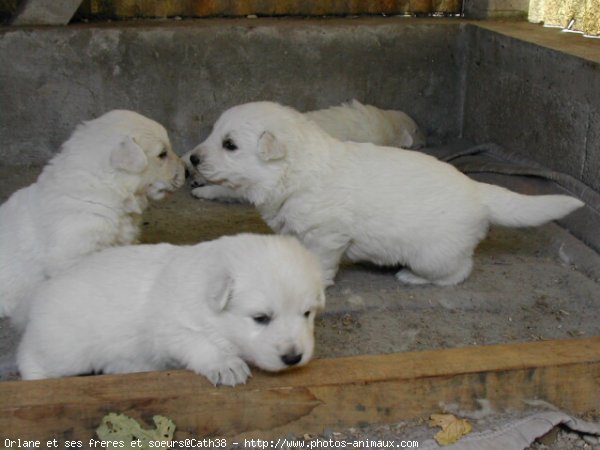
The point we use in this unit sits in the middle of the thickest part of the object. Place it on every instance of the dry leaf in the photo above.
(452, 428)
(121, 428)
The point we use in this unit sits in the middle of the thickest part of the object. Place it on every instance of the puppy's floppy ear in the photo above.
(270, 148)
(128, 156)
(220, 292)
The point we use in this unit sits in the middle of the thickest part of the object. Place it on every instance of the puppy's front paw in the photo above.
(217, 193)
(202, 193)
(329, 277)
(328, 282)
(231, 371)
(406, 276)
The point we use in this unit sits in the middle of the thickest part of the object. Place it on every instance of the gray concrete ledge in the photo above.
(184, 74)
(536, 91)
(488, 81)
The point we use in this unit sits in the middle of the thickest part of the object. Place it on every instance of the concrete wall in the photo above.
(455, 78)
(540, 102)
(184, 74)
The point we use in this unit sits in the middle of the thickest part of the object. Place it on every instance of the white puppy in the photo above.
(209, 308)
(356, 122)
(380, 204)
(88, 197)
(351, 121)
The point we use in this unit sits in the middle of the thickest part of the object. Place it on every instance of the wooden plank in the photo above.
(327, 393)
(210, 8)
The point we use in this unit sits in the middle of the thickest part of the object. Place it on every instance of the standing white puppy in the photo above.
(380, 204)
(350, 121)
(88, 197)
(211, 308)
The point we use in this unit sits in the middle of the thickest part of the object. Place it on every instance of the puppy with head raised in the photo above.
(88, 197)
(380, 204)
(211, 308)
(350, 121)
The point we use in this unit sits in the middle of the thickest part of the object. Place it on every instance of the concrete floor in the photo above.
(523, 288)
(528, 284)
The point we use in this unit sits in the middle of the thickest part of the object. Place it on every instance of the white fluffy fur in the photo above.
(350, 121)
(88, 197)
(380, 204)
(356, 122)
(202, 307)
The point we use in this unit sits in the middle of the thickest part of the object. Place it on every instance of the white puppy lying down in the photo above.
(356, 122)
(88, 197)
(351, 121)
(209, 308)
(384, 205)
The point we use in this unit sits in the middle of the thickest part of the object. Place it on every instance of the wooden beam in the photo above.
(328, 393)
(209, 8)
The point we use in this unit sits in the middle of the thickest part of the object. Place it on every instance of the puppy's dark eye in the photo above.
(307, 314)
(163, 154)
(262, 319)
(229, 145)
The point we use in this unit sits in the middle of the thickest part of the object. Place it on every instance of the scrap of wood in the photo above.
(45, 12)
(326, 394)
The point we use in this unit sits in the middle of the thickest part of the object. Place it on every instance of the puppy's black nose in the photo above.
(194, 159)
(291, 359)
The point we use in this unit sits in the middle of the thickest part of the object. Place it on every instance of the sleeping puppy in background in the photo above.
(356, 122)
(211, 308)
(88, 197)
(351, 121)
(388, 206)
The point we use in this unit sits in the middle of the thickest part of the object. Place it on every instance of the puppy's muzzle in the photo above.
(291, 358)
(191, 171)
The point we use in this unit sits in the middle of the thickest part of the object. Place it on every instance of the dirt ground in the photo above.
(528, 284)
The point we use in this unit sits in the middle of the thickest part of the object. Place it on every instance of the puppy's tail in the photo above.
(510, 209)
